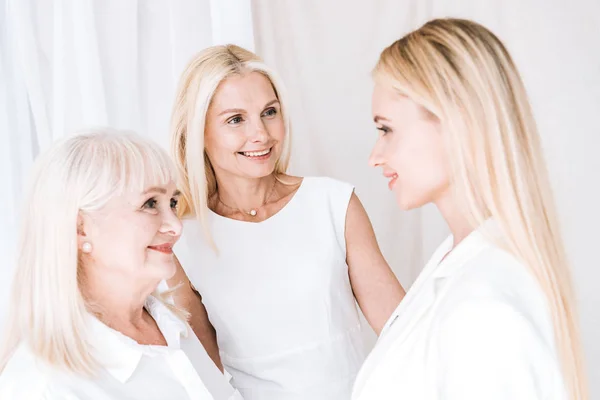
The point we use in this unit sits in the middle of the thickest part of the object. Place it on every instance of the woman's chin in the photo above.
(407, 203)
(169, 270)
(162, 271)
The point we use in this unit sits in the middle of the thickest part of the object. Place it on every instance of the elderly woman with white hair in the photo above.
(88, 320)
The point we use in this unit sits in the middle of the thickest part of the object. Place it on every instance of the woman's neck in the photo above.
(116, 301)
(244, 193)
(457, 221)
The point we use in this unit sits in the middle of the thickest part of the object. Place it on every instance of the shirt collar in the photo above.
(119, 354)
(467, 249)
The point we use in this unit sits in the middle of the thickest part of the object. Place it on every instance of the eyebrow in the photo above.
(232, 110)
(155, 189)
(271, 103)
(160, 190)
(378, 118)
(241, 110)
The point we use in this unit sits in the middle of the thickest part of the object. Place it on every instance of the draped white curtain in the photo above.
(68, 64)
(65, 64)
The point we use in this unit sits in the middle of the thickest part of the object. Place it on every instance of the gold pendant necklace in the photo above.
(253, 212)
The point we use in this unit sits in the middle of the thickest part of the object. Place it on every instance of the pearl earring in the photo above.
(86, 247)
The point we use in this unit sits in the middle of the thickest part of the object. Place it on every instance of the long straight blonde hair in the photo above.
(47, 309)
(462, 73)
(197, 87)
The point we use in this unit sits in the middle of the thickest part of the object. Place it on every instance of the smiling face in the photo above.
(244, 127)
(132, 236)
(410, 149)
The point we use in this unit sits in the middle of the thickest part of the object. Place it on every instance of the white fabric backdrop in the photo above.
(70, 63)
(325, 52)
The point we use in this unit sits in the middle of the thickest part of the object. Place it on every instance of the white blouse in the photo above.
(132, 371)
(279, 296)
(475, 325)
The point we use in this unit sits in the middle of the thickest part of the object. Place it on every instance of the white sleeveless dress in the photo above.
(279, 296)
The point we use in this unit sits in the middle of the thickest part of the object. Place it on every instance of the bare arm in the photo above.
(189, 299)
(375, 286)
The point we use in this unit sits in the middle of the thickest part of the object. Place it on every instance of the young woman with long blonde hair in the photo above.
(492, 315)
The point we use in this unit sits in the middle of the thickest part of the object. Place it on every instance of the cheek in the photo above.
(422, 170)
(145, 230)
(222, 145)
(225, 139)
(124, 242)
(398, 153)
(276, 129)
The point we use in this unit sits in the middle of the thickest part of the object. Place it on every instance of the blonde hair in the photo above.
(462, 73)
(77, 175)
(197, 87)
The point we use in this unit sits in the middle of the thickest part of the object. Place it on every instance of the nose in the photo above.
(259, 133)
(171, 224)
(376, 157)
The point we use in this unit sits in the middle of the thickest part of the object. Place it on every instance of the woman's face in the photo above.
(132, 236)
(410, 149)
(244, 127)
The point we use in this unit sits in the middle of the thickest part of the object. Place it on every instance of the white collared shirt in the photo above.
(131, 371)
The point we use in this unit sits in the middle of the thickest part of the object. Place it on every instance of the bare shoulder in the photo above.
(355, 205)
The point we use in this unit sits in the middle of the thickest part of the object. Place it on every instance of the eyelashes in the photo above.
(270, 112)
(235, 120)
(151, 203)
(238, 119)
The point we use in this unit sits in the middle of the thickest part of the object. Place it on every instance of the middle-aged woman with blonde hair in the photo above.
(88, 319)
(279, 261)
(492, 314)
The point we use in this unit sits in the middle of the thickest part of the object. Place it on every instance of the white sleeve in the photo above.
(216, 383)
(340, 194)
(236, 396)
(49, 395)
(489, 350)
(32, 390)
(22, 379)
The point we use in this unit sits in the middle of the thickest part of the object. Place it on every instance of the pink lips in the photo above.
(393, 178)
(166, 248)
(392, 182)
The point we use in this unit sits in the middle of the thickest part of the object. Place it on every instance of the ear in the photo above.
(80, 227)
(83, 227)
